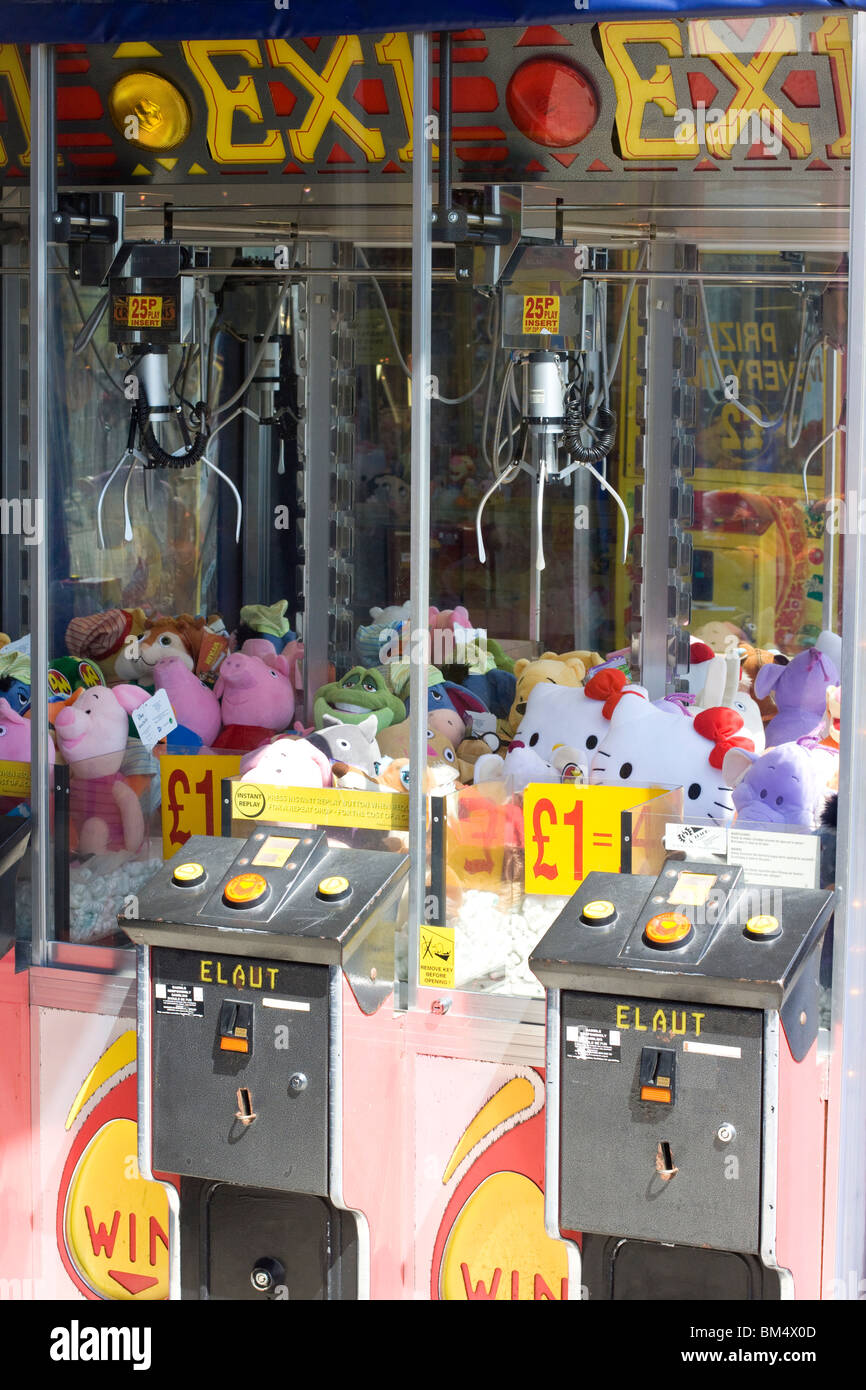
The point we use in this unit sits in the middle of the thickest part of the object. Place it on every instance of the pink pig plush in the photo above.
(15, 748)
(15, 736)
(195, 706)
(256, 697)
(92, 732)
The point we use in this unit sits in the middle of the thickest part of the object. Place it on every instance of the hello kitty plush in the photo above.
(562, 726)
(645, 747)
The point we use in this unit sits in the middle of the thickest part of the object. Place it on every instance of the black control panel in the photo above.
(696, 932)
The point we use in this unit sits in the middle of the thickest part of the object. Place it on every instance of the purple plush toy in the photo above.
(787, 785)
(800, 689)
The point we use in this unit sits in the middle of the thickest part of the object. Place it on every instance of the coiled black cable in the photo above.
(156, 456)
(602, 430)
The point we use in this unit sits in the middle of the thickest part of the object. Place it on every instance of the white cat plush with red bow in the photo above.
(645, 747)
(562, 727)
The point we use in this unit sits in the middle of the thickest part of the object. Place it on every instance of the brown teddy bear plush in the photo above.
(560, 670)
(751, 661)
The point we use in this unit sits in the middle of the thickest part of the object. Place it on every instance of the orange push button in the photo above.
(763, 928)
(246, 890)
(667, 930)
(188, 875)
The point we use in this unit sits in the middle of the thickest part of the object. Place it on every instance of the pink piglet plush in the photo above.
(195, 705)
(256, 698)
(92, 732)
(15, 736)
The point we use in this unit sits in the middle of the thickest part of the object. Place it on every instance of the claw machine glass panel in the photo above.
(635, 451)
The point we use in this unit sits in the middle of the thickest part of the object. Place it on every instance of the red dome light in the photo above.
(552, 102)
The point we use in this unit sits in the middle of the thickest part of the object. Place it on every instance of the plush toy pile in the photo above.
(754, 735)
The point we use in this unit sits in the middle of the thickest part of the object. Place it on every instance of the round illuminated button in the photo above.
(667, 930)
(334, 889)
(598, 913)
(246, 890)
(763, 928)
(188, 875)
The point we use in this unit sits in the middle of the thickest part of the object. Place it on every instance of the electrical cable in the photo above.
(89, 325)
(245, 384)
(837, 429)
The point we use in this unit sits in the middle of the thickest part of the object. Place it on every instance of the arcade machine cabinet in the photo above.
(243, 953)
(685, 1119)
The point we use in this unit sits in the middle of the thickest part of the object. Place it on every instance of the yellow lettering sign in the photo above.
(326, 106)
(222, 101)
(242, 977)
(394, 51)
(634, 93)
(834, 39)
(628, 1017)
(750, 100)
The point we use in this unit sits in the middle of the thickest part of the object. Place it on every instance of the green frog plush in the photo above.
(361, 692)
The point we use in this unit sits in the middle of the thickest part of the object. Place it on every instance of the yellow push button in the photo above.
(667, 930)
(333, 889)
(246, 890)
(763, 928)
(188, 875)
(598, 913)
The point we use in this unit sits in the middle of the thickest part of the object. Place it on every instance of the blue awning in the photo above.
(114, 21)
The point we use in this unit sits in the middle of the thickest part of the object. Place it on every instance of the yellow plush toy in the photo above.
(569, 669)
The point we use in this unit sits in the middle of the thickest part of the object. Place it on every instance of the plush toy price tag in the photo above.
(572, 831)
(190, 786)
(154, 719)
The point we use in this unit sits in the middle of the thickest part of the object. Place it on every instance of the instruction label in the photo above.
(330, 806)
(775, 858)
(14, 779)
(187, 1001)
(541, 313)
(588, 1044)
(436, 957)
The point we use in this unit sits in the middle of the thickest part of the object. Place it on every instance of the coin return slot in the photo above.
(245, 1112)
(665, 1166)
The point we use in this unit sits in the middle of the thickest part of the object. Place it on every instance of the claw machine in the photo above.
(436, 443)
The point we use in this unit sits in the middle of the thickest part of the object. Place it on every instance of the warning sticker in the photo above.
(592, 1044)
(185, 1000)
(436, 957)
(541, 313)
